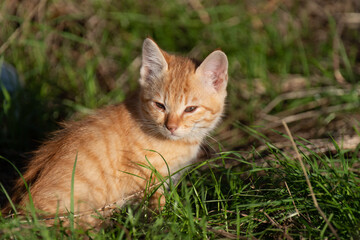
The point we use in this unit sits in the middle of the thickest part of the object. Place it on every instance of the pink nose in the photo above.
(171, 127)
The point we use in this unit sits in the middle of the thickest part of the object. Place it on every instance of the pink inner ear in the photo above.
(217, 78)
(218, 83)
(214, 69)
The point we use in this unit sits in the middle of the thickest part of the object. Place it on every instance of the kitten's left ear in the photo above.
(213, 70)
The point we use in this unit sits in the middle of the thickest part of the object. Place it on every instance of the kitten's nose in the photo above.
(172, 122)
(171, 127)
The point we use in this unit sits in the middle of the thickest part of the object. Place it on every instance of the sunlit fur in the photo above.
(113, 142)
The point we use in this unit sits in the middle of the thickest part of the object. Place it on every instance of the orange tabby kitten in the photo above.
(178, 104)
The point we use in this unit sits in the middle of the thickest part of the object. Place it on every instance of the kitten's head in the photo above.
(180, 100)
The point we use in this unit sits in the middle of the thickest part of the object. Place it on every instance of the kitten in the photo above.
(177, 105)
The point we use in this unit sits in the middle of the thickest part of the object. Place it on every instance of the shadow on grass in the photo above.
(25, 119)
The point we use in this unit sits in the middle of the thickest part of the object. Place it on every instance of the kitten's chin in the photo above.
(174, 137)
(184, 138)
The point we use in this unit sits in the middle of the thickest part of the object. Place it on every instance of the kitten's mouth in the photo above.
(172, 135)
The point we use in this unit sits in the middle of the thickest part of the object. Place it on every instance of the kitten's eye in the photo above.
(160, 106)
(190, 109)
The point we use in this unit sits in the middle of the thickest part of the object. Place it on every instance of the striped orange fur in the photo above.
(178, 104)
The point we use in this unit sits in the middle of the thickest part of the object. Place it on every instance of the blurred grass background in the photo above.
(74, 56)
(297, 61)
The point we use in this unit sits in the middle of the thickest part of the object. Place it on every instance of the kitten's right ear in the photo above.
(153, 62)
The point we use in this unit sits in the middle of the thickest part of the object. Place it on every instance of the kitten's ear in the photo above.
(153, 62)
(213, 70)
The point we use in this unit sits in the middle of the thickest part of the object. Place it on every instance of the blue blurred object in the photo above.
(9, 78)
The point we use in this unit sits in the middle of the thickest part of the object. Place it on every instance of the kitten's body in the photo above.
(178, 104)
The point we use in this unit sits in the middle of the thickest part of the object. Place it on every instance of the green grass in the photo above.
(244, 200)
(76, 57)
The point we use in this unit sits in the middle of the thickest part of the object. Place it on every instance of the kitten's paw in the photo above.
(157, 201)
